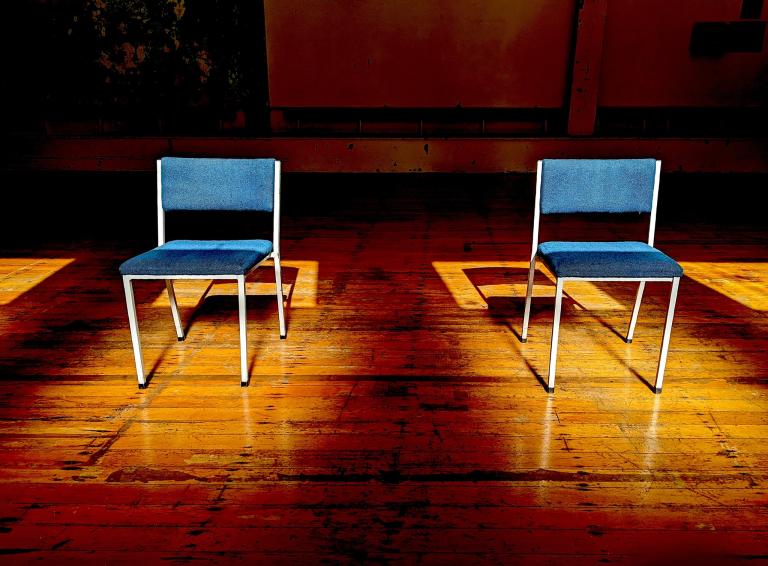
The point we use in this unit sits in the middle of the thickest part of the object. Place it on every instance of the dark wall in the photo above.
(135, 66)
(366, 86)
(341, 67)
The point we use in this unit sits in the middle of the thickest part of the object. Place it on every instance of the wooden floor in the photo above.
(402, 421)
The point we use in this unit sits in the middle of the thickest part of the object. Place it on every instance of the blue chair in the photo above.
(197, 184)
(600, 185)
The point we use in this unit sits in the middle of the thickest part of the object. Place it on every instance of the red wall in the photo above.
(496, 54)
(646, 59)
(423, 53)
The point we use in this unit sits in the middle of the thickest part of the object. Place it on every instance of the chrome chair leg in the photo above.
(555, 336)
(667, 333)
(134, 326)
(279, 293)
(635, 312)
(528, 297)
(243, 338)
(174, 309)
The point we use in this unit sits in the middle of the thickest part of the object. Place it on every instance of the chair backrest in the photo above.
(597, 185)
(217, 184)
(214, 184)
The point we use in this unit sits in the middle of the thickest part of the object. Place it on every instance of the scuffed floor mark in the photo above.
(143, 474)
(59, 544)
(434, 407)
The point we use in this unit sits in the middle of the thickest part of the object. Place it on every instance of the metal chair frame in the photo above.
(675, 281)
(274, 255)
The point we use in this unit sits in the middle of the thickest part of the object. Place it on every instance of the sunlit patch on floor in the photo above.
(743, 282)
(21, 274)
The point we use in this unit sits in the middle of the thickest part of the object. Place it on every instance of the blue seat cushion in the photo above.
(607, 259)
(199, 257)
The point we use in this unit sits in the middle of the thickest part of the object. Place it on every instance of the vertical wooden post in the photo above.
(588, 55)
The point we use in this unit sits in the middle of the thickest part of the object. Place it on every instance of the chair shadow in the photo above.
(642, 380)
(209, 305)
(151, 373)
(600, 319)
(504, 307)
(195, 309)
(291, 281)
(289, 278)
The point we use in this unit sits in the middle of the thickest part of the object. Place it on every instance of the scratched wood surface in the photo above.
(402, 421)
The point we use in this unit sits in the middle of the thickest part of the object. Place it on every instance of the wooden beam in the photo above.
(585, 82)
(393, 155)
